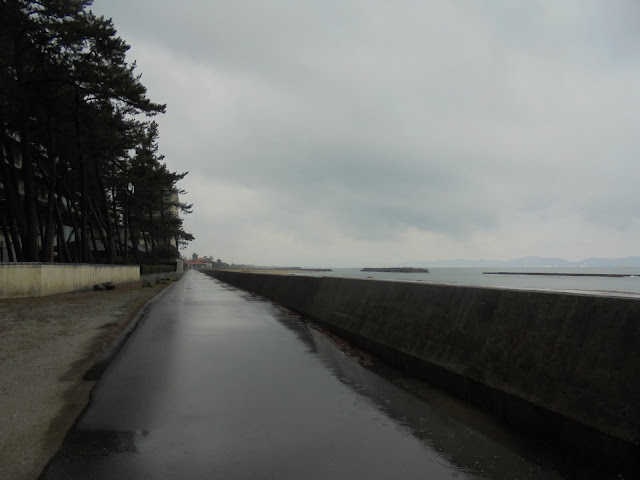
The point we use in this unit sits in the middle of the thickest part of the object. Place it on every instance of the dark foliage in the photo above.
(72, 142)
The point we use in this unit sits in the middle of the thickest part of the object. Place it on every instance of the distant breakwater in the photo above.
(396, 270)
(297, 269)
(560, 274)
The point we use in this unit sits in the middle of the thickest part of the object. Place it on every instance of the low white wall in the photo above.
(37, 280)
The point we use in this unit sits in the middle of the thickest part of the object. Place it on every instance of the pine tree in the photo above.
(69, 107)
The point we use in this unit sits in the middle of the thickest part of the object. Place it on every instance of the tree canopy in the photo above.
(75, 135)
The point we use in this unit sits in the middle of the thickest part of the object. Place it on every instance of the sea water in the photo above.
(628, 285)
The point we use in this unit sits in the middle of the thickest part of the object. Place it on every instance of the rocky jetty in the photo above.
(396, 270)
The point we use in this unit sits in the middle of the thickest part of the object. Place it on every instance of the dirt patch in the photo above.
(46, 346)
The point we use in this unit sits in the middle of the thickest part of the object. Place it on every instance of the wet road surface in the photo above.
(217, 383)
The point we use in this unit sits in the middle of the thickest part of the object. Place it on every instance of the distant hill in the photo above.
(532, 262)
(612, 262)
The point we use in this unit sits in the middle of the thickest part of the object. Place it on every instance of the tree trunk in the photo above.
(125, 220)
(63, 249)
(39, 215)
(7, 238)
(30, 235)
(84, 213)
(75, 220)
(146, 245)
(133, 240)
(116, 221)
(16, 223)
(17, 241)
(50, 224)
(96, 215)
(84, 187)
(93, 253)
(152, 232)
(106, 220)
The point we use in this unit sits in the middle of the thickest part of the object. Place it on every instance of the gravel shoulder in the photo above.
(46, 346)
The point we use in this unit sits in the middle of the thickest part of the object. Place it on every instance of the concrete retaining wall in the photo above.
(566, 366)
(37, 280)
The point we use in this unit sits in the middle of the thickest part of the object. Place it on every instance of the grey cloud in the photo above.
(368, 119)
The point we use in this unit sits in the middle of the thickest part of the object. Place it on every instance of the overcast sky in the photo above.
(356, 133)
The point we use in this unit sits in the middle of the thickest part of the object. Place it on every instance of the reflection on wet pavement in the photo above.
(218, 383)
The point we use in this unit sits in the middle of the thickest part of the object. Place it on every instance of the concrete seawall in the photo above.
(41, 279)
(564, 366)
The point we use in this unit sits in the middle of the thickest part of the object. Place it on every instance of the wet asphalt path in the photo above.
(218, 384)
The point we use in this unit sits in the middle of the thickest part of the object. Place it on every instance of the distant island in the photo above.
(396, 270)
